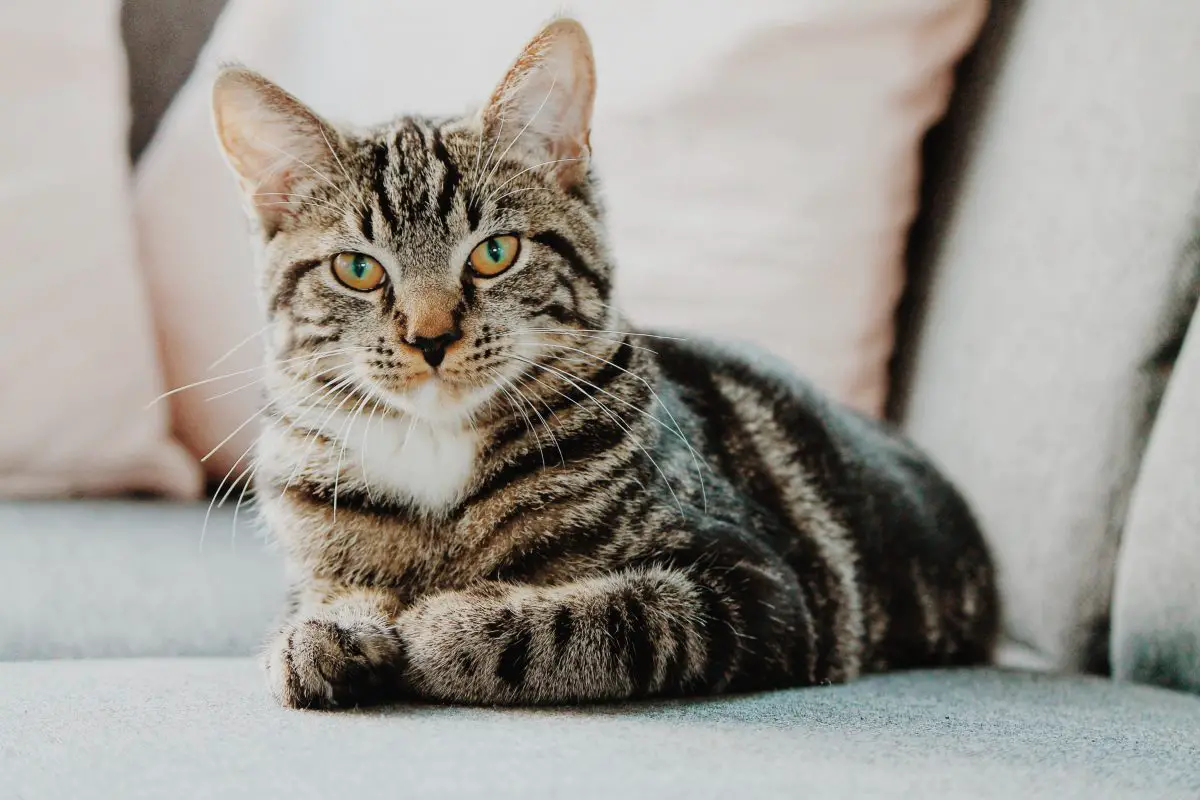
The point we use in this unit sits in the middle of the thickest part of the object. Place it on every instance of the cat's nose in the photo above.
(433, 348)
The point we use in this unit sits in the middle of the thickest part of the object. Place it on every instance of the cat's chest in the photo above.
(410, 460)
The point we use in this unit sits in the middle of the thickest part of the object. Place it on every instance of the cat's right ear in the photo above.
(271, 140)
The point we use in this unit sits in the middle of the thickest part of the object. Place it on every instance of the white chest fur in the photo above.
(409, 459)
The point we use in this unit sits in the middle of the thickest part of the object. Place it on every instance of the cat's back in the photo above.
(832, 475)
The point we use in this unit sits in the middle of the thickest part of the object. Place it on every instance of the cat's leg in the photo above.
(338, 646)
(633, 633)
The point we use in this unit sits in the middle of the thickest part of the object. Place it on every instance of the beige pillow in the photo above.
(78, 359)
(760, 159)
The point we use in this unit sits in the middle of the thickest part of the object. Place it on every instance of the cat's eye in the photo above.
(494, 255)
(358, 271)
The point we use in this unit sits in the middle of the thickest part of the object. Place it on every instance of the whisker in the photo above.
(239, 346)
(247, 371)
(598, 330)
(562, 459)
(478, 182)
(620, 423)
(337, 470)
(217, 492)
(239, 428)
(300, 203)
(526, 189)
(341, 386)
(521, 410)
(314, 170)
(238, 506)
(362, 450)
(678, 430)
(529, 169)
(553, 81)
(336, 157)
(579, 336)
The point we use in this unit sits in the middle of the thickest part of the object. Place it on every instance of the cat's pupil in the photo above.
(494, 250)
(360, 266)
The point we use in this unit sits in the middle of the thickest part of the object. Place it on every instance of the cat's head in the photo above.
(427, 261)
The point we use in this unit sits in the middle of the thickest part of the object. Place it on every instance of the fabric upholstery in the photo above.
(761, 163)
(162, 39)
(120, 579)
(78, 360)
(1156, 601)
(1054, 262)
(206, 728)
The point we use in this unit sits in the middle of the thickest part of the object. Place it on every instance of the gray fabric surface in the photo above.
(1054, 266)
(205, 729)
(1156, 601)
(124, 578)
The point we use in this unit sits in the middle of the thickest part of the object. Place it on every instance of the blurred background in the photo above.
(977, 221)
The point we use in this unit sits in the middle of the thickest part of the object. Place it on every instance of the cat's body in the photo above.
(491, 490)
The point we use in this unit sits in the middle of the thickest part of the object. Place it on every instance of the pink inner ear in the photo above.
(547, 94)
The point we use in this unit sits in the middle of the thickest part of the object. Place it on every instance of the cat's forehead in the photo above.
(412, 173)
(415, 141)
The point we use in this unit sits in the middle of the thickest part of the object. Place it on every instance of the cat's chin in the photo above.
(438, 401)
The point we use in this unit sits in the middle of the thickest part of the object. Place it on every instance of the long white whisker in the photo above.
(336, 157)
(237, 507)
(478, 182)
(678, 430)
(341, 386)
(301, 203)
(239, 428)
(553, 81)
(620, 423)
(315, 171)
(362, 451)
(578, 336)
(337, 471)
(577, 331)
(525, 189)
(217, 493)
(239, 346)
(562, 459)
(529, 169)
(528, 423)
(247, 371)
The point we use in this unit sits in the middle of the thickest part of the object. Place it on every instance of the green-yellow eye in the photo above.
(492, 256)
(358, 271)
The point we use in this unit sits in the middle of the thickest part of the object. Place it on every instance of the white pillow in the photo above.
(78, 359)
(760, 160)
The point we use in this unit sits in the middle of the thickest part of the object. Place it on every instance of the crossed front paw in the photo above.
(328, 663)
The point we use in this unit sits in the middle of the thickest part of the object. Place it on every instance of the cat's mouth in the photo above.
(437, 396)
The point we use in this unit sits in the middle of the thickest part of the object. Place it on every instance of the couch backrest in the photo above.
(1051, 263)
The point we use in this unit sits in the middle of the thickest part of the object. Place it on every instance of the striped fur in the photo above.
(565, 509)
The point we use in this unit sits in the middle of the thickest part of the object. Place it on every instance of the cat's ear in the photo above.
(271, 140)
(544, 104)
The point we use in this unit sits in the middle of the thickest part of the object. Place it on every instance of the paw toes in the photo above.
(319, 664)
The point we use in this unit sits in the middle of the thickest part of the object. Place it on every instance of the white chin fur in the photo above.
(424, 456)
(429, 402)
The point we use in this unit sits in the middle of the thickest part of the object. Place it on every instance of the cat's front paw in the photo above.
(331, 663)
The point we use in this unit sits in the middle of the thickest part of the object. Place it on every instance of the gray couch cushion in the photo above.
(1053, 255)
(125, 578)
(205, 728)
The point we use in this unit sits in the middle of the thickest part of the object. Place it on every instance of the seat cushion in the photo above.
(206, 728)
(124, 578)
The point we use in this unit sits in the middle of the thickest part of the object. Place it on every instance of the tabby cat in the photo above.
(491, 490)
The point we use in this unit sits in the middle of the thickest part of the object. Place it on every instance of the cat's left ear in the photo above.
(543, 106)
(272, 141)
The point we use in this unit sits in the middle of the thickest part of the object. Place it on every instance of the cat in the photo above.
(491, 489)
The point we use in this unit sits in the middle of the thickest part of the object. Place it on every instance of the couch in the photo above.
(126, 666)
